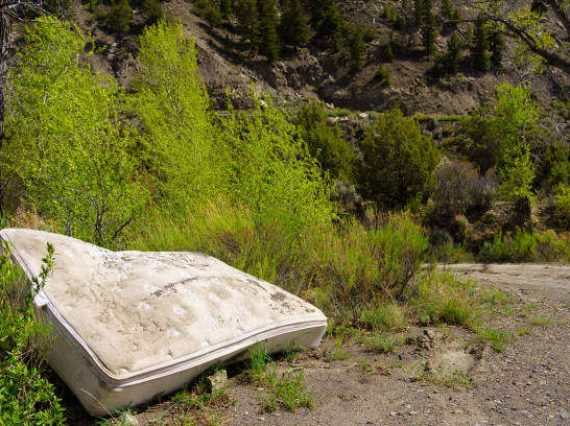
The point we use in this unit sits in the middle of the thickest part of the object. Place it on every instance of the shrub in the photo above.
(120, 17)
(561, 206)
(460, 190)
(383, 75)
(26, 396)
(358, 267)
(326, 141)
(398, 160)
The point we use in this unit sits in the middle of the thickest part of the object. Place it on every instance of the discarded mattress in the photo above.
(130, 326)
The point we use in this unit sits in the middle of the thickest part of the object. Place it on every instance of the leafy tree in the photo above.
(67, 147)
(152, 10)
(248, 23)
(177, 130)
(398, 160)
(295, 28)
(269, 22)
(541, 27)
(120, 17)
(480, 49)
(325, 141)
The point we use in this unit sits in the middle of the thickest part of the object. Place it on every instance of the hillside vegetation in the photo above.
(340, 207)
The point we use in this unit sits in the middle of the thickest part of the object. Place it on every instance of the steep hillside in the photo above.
(327, 72)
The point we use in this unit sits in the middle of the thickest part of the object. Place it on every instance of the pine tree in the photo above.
(418, 12)
(428, 28)
(294, 26)
(248, 24)
(357, 48)
(152, 10)
(226, 8)
(268, 23)
(389, 52)
(448, 63)
(120, 17)
(480, 49)
(497, 47)
(326, 17)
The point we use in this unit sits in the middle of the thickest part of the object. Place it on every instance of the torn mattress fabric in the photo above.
(130, 326)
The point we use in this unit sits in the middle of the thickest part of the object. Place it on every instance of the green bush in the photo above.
(326, 141)
(383, 75)
(561, 206)
(398, 160)
(26, 396)
(120, 16)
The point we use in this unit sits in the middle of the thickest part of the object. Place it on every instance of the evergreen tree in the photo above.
(428, 28)
(268, 24)
(448, 63)
(449, 14)
(248, 23)
(418, 12)
(480, 49)
(326, 16)
(120, 17)
(389, 51)
(357, 48)
(226, 8)
(152, 10)
(468, 41)
(497, 47)
(294, 26)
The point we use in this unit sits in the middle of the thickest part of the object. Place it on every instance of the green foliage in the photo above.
(26, 396)
(390, 317)
(248, 23)
(561, 204)
(326, 17)
(152, 10)
(356, 47)
(209, 10)
(496, 47)
(178, 135)
(480, 49)
(295, 28)
(398, 160)
(428, 27)
(68, 147)
(383, 75)
(448, 63)
(268, 13)
(325, 141)
(359, 267)
(287, 390)
(527, 247)
(120, 16)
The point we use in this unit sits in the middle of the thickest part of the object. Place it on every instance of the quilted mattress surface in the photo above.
(130, 318)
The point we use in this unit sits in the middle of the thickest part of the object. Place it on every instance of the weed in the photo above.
(287, 390)
(380, 344)
(452, 379)
(385, 317)
(497, 338)
(258, 360)
(541, 321)
(524, 331)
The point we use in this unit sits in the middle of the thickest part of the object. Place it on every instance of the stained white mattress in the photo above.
(129, 326)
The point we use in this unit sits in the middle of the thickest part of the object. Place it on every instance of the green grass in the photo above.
(390, 317)
(452, 379)
(379, 343)
(541, 321)
(497, 338)
(286, 390)
(524, 331)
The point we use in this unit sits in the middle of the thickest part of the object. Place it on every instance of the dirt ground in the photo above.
(527, 384)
